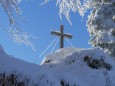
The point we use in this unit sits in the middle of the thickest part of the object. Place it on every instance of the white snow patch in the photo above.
(65, 66)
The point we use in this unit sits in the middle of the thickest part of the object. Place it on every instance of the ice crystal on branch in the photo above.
(21, 37)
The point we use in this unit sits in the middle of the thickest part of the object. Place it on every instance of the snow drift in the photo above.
(65, 67)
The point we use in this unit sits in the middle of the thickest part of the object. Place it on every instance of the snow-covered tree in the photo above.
(11, 8)
(100, 23)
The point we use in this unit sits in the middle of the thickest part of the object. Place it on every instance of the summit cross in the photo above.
(62, 35)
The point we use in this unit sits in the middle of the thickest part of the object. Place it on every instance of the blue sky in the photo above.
(43, 19)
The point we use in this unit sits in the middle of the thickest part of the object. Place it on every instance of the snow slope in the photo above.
(68, 65)
(65, 67)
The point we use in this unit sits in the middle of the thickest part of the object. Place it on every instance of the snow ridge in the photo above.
(65, 67)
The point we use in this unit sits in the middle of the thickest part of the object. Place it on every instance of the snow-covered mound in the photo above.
(82, 67)
(15, 72)
(66, 67)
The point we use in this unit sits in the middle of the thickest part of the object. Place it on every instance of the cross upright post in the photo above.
(62, 35)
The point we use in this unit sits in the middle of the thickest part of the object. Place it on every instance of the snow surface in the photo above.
(65, 67)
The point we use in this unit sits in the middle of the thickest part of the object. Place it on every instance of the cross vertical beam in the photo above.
(61, 35)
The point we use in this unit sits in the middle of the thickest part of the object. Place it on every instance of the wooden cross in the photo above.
(62, 35)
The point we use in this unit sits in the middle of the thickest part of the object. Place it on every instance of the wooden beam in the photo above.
(68, 36)
(61, 36)
(56, 33)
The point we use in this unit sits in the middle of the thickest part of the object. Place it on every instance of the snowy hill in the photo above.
(65, 67)
(80, 67)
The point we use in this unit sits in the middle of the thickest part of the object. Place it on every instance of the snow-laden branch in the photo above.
(80, 6)
(67, 6)
(21, 37)
(11, 7)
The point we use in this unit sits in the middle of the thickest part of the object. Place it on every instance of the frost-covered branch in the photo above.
(11, 8)
(67, 6)
(80, 6)
(21, 37)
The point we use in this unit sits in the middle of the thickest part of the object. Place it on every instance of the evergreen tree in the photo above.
(101, 26)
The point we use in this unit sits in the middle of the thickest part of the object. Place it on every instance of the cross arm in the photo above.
(68, 36)
(55, 33)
